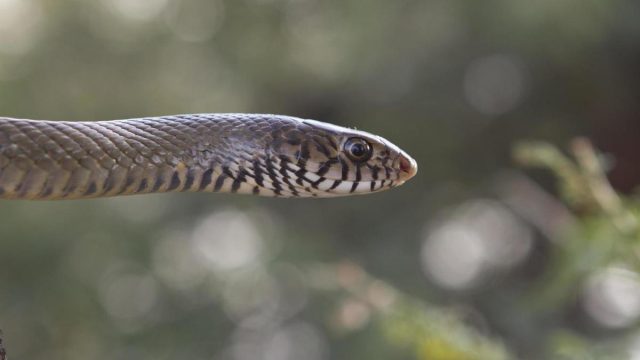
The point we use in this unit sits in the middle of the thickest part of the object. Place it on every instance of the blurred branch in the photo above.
(583, 182)
(438, 334)
(608, 234)
(428, 332)
(604, 195)
(573, 186)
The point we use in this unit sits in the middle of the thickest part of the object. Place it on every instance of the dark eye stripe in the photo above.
(345, 170)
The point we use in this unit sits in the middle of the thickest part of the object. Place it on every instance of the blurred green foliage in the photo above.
(605, 236)
(472, 259)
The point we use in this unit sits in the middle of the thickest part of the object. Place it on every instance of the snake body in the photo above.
(258, 154)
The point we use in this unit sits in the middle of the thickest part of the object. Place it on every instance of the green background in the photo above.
(476, 257)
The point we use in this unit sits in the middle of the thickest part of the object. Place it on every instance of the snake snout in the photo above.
(408, 167)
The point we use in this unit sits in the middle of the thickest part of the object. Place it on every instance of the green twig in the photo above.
(604, 195)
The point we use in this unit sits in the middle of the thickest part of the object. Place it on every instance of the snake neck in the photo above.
(71, 160)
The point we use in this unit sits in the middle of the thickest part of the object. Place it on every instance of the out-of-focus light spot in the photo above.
(453, 256)
(20, 25)
(495, 84)
(477, 237)
(352, 315)
(137, 10)
(195, 21)
(634, 349)
(612, 297)
(298, 340)
(258, 299)
(128, 293)
(350, 276)
(251, 295)
(177, 265)
(381, 295)
(228, 240)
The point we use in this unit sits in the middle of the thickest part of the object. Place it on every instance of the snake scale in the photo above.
(268, 155)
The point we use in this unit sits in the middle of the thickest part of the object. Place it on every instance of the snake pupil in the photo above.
(358, 150)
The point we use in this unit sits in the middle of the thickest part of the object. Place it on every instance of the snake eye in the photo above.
(358, 149)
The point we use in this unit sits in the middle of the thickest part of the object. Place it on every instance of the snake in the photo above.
(260, 154)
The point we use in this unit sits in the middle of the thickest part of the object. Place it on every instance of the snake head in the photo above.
(325, 160)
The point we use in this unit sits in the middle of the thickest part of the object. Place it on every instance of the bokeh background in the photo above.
(479, 257)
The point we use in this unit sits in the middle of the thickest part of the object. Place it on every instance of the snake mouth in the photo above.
(334, 188)
(402, 168)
